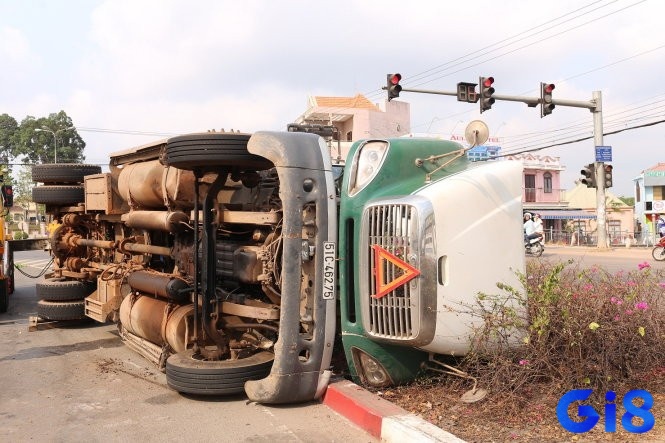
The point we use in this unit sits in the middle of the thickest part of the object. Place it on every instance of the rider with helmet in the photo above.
(530, 228)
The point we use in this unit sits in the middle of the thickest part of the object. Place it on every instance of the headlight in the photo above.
(366, 164)
(370, 370)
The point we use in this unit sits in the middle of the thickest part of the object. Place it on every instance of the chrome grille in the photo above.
(393, 227)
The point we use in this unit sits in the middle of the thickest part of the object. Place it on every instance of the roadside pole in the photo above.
(601, 227)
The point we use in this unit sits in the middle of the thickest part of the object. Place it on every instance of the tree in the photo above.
(8, 129)
(22, 186)
(630, 201)
(40, 146)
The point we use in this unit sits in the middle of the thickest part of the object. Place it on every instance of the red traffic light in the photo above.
(488, 81)
(548, 88)
(393, 86)
(395, 79)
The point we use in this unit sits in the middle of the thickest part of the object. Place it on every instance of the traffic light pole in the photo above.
(596, 107)
(601, 227)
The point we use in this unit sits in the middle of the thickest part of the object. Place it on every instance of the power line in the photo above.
(581, 139)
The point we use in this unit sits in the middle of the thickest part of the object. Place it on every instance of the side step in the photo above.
(143, 347)
(36, 323)
(101, 304)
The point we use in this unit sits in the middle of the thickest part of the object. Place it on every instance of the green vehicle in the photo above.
(417, 244)
(240, 263)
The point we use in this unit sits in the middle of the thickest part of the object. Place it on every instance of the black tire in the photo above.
(658, 253)
(53, 173)
(4, 295)
(189, 375)
(63, 310)
(212, 149)
(58, 195)
(63, 290)
(537, 250)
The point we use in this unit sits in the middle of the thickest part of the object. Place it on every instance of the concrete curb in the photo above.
(381, 418)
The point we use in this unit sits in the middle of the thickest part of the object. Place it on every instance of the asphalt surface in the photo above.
(81, 383)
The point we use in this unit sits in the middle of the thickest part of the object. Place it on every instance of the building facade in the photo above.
(356, 118)
(649, 196)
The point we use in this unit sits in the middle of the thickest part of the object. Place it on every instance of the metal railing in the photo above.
(615, 238)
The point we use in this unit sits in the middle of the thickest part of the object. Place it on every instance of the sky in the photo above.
(129, 72)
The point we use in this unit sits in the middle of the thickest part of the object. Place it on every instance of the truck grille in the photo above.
(393, 227)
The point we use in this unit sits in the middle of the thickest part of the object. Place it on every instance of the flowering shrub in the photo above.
(584, 328)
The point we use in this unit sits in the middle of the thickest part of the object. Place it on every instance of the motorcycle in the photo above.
(534, 246)
(658, 251)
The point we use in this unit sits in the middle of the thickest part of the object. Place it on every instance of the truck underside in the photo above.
(207, 250)
(218, 256)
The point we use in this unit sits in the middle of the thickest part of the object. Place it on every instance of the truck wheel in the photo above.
(53, 173)
(4, 295)
(212, 149)
(60, 290)
(58, 195)
(63, 310)
(187, 374)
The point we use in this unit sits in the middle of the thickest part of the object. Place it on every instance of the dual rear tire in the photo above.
(62, 183)
(62, 299)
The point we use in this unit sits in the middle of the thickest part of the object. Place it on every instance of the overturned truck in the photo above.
(241, 263)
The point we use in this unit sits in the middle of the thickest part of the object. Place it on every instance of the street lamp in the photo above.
(55, 139)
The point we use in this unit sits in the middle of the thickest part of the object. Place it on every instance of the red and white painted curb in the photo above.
(381, 418)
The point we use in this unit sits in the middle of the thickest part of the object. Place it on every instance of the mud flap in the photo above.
(300, 369)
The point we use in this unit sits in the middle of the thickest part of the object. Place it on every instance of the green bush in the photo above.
(20, 235)
(585, 328)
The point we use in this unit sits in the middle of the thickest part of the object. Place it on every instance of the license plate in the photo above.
(329, 257)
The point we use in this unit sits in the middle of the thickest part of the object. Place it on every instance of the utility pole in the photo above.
(466, 92)
(600, 171)
(55, 139)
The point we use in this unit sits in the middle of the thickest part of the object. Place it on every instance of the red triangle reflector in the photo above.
(383, 287)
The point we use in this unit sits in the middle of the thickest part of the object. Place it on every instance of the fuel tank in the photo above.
(158, 321)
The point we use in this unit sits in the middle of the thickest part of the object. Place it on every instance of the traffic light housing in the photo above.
(7, 196)
(589, 173)
(393, 86)
(546, 105)
(486, 92)
(607, 173)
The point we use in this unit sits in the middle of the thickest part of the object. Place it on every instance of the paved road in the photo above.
(613, 260)
(80, 383)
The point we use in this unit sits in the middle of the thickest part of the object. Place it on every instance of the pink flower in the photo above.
(619, 302)
(524, 362)
(662, 284)
(613, 299)
(588, 287)
(642, 305)
(629, 311)
(631, 283)
(616, 318)
(643, 265)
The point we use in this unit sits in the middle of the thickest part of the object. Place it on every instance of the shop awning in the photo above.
(563, 214)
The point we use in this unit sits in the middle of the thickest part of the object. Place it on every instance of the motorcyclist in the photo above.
(529, 228)
(538, 227)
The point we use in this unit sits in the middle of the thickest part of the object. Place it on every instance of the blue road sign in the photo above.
(603, 153)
